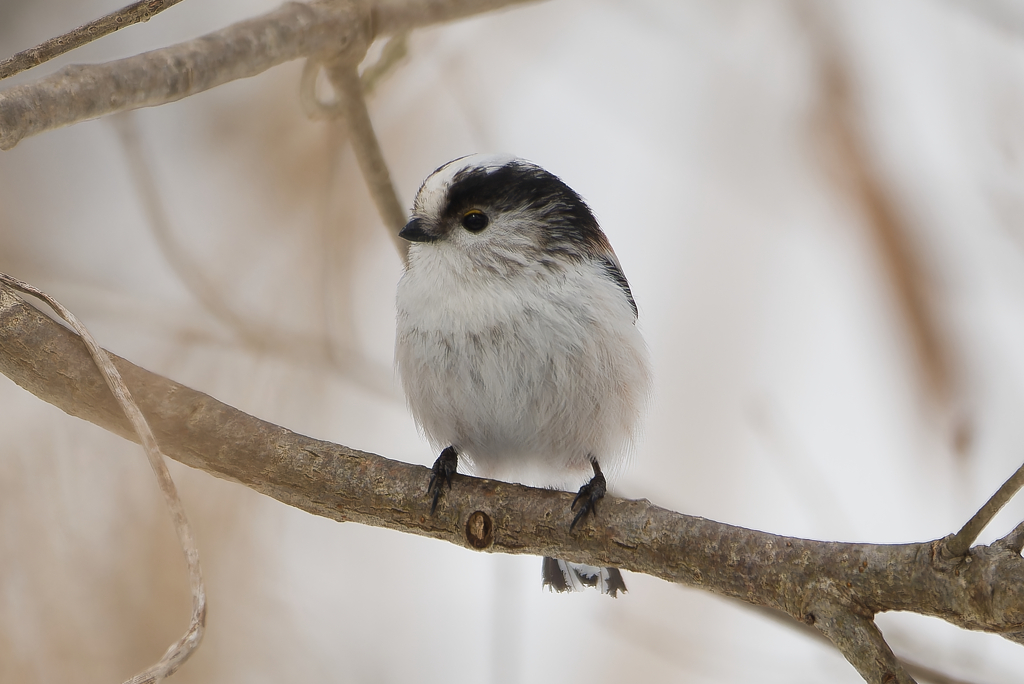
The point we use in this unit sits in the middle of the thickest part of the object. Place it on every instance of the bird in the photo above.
(516, 340)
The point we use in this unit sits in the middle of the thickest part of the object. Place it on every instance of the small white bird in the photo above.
(516, 343)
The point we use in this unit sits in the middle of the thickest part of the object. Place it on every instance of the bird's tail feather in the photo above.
(560, 575)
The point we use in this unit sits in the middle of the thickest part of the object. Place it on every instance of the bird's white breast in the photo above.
(528, 374)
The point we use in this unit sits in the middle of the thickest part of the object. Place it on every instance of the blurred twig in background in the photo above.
(212, 294)
(208, 293)
(855, 172)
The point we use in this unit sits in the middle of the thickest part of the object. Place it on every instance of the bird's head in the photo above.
(500, 212)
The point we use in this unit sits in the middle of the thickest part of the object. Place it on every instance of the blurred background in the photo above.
(819, 207)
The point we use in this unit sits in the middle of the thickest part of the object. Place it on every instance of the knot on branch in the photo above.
(945, 559)
(480, 530)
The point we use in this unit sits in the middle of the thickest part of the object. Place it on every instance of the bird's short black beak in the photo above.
(413, 232)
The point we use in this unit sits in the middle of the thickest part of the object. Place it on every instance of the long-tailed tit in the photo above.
(517, 345)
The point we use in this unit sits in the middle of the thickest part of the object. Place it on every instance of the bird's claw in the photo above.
(441, 473)
(588, 496)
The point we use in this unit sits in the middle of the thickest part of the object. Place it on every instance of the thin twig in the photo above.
(179, 651)
(345, 79)
(138, 12)
(962, 540)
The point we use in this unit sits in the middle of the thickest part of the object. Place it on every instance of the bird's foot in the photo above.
(444, 467)
(589, 495)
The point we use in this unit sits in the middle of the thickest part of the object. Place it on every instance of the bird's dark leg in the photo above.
(444, 467)
(589, 495)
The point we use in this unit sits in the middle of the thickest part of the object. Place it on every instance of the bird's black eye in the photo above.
(475, 220)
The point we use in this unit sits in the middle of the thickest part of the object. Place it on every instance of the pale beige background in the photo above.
(791, 394)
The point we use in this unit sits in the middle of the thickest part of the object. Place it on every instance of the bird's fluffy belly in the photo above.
(532, 400)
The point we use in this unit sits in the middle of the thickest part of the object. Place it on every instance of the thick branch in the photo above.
(983, 591)
(81, 92)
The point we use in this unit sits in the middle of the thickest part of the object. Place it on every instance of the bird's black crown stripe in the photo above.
(517, 186)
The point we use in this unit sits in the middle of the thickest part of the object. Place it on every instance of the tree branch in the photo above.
(962, 540)
(857, 637)
(916, 670)
(80, 92)
(806, 579)
(327, 28)
(137, 12)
